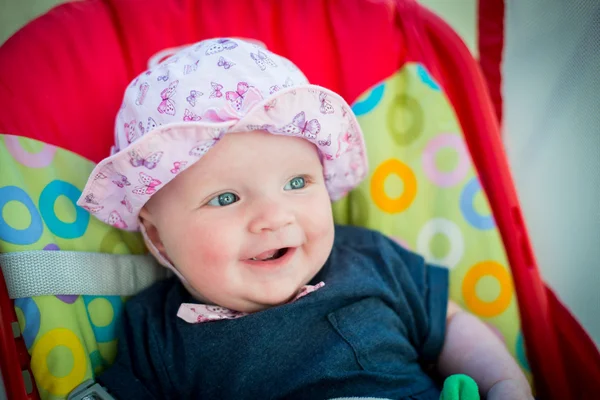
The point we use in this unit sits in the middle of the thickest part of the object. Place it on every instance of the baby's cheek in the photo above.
(210, 247)
(320, 218)
(319, 229)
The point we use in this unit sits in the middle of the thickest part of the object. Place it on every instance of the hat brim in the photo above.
(121, 184)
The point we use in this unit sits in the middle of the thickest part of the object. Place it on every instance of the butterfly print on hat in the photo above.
(164, 77)
(149, 185)
(167, 105)
(225, 63)
(178, 166)
(326, 106)
(262, 60)
(348, 139)
(188, 69)
(121, 181)
(244, 93)
(264, 127)
(194, 94)
(135, 82)
(190, 116)
(326, 142)
(141, 96)
(100, 175)
(216, 90)
(201, 148)
(130, 133)
(114, 219)
(150, 162)
(149, 126)
(90, 198)
(270, 105)
(287, 84)
(127, 204)
(220, 45)
(92, 209)
(299, 126)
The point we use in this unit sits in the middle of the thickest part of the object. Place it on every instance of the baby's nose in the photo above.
(271, 216)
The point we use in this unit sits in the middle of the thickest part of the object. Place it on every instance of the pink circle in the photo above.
(445, 179)
(40, 159)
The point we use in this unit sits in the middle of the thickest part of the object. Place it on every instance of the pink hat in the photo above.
(175, 112)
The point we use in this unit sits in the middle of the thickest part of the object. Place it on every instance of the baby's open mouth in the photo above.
(270, 255)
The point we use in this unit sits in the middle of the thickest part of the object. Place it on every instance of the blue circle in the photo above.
(105, 333)
(33, 232)
(61, 229)
(368, 104)
(426, 78)
(520, 352)
(483, 222)
(31, 312)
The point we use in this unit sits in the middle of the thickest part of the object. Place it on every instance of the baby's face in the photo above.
(249, 224)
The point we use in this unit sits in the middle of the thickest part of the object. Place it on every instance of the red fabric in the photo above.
(490, 41)
(580, 355)
(468, 92)
(67, 92)
(13, 353)
(561, 369)
(75, 86)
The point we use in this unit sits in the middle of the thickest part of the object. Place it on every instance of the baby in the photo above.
(227, 160)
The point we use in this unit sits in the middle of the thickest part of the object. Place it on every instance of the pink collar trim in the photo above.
(199, 313)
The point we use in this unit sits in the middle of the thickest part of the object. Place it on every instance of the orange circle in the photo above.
(487, 308)
(381, 199)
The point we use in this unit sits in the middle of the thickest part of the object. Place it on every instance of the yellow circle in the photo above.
(472, 300)
(59, 386)
(381, 199)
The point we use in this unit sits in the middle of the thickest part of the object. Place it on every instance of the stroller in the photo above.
(439, 181)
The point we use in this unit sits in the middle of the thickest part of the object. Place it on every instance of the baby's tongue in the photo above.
(266, 254)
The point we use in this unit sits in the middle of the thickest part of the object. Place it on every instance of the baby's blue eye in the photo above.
(295, 183)
(224, 199)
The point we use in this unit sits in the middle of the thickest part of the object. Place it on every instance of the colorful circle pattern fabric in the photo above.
(422, 191)
(70, 337)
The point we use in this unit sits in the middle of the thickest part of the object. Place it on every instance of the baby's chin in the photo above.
(264, 301)
(262, 298)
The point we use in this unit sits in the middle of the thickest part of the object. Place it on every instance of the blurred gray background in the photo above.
(552, 135)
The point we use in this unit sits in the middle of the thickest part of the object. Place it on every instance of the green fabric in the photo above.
(421, 190)
(460, 387)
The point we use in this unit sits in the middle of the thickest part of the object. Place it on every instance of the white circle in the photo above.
(448, 229)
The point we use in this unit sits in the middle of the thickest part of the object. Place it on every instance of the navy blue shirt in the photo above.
(370, 331)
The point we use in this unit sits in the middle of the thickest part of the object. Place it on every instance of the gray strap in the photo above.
(38, 273)
(89, 390)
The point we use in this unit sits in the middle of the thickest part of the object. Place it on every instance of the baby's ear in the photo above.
(152, 236)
